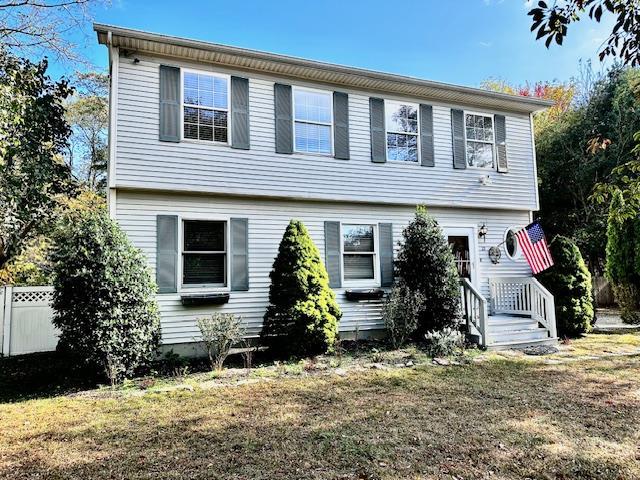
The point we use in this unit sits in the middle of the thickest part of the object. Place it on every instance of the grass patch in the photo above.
(498, 418)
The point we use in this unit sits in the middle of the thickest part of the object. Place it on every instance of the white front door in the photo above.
(462, 241)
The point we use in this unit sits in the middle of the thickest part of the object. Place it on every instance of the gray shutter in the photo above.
(167, 253)
(457, 131)
(501, 143)
(332, 253)
(378, 135)
(169, 104)
(426, 136)
(284, 118)
(385, 230)
(341, 125)
(240, 113)
(239, 251)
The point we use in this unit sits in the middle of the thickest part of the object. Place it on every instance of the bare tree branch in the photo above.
(42, 27)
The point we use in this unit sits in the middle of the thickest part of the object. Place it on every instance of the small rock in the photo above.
(441, 361)
(340, 371)
(377, 366)
(409, 364)
(175, 388)
(540, 350)
(399, 365)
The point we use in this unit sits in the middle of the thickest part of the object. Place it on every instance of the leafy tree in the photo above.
(104, 297)
(426, 265)
(31, 267)
(569, 281)
(302, 316)
(562, 94)
(580, 149)
(623, 259)
(552, 22)
(33, 137)
(88, 115)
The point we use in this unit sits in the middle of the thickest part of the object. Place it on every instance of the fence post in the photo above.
(6, 337)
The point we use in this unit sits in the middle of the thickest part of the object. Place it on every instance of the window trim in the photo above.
(195, 287)
(295, 88)
(227, 77)
(515, 257)
(417, 134)
(370, 282)
(492, 142)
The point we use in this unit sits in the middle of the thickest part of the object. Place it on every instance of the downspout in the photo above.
(113, 114)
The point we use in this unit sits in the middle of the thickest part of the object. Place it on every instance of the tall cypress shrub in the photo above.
(622, 267)
(104, 295)
(302, 316)
(569, 281)
(426, 265)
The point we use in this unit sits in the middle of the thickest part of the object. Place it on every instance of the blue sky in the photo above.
(456, 41)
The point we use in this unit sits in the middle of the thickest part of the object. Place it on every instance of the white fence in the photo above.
(25, 314)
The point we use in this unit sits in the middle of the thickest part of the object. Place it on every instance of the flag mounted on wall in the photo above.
(534, 247)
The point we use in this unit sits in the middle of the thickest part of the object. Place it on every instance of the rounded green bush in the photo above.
(104, 295)
(302, 316)
(569, 281)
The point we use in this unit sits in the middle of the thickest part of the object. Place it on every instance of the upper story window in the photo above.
(313, 118)
(204, 253)
(480, 140)
(359, 253)
(402, 131)
(205, 107)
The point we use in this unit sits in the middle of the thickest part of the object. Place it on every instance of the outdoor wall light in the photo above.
(482, 232)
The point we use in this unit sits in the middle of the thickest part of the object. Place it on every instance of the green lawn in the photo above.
(567, 415)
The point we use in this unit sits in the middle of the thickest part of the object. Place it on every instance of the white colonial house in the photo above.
(213, 149)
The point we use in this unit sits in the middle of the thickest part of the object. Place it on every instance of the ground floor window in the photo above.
(359, 252)
(204, 253)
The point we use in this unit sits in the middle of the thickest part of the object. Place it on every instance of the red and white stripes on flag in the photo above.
(534, 247)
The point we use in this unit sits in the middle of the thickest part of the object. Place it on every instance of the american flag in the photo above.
(534, 246)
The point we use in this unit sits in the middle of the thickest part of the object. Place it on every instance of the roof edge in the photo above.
(523, 103)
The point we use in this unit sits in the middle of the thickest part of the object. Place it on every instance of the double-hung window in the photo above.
(359, 253)
(313, 120)
(480, 140)
(205, 107)
(402, 131)
(204, 253)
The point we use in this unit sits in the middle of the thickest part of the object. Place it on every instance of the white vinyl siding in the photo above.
(145, 162)
(136, 213)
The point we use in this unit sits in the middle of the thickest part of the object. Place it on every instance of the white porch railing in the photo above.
(523, 296)
(474, 310)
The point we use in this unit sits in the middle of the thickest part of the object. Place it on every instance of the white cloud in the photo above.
(485, 44)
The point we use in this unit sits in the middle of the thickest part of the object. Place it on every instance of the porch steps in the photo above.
(518, 345)
(510, 331)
